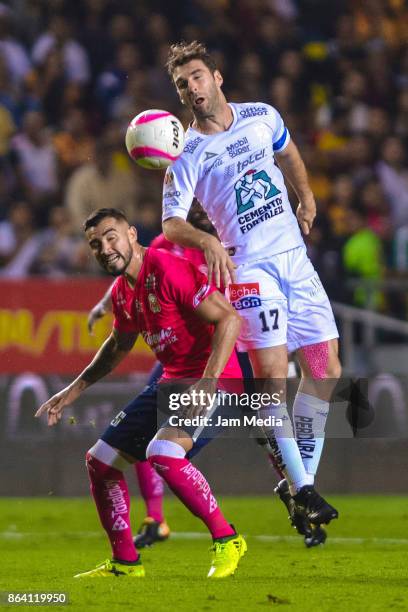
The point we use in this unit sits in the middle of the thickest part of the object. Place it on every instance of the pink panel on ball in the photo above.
(138, 152)
(147, 118)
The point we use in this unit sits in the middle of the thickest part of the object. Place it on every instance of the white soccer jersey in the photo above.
(235, 178)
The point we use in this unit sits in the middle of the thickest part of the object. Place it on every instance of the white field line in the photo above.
(196, 535)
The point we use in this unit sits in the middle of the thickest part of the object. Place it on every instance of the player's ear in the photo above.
(218, 78)
(132, 233)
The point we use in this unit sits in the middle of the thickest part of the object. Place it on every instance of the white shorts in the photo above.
(282, 301)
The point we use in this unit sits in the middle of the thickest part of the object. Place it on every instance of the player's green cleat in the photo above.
(226, 556)
(112, 569)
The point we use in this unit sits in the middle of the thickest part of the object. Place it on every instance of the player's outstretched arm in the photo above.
(111, 353)
(293, 168)
(220, 266)
(99, 310)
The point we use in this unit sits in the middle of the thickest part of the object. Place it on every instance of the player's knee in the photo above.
(334, 368)
(165, 448)
(104, 454)
(321, 362)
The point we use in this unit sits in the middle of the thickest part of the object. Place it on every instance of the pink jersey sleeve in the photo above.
(186, 284)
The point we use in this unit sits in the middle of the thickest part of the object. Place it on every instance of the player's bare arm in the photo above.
(216, 310)
(220, 266)
(293, 168)
(99, 310)
(112, 352)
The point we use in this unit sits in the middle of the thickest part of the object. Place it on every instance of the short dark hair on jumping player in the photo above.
(102, 213)
(181, 53)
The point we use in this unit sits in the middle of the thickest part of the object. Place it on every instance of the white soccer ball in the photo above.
(155, 139)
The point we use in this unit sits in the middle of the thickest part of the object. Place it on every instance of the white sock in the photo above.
(290, 460)
(309, 418)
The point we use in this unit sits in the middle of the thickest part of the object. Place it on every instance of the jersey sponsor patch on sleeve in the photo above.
(200, 295)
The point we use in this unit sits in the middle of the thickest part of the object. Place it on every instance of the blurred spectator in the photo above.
(360, 158)
(134, 98)
(393, 174)
(112, 82)
(363, 259)
(35, 162)
(74, 144)
(59, 36)
(13, 52)
(342, 201)
(58, 246)
(376, 209)
(100, 184)
(401, 121)
(20, 242)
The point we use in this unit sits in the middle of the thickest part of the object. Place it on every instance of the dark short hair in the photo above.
(181, 53)
(102, 213)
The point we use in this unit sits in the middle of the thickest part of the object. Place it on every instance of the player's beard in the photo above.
(210, 106)
(119, 266)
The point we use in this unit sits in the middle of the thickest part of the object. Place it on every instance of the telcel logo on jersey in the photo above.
(238, 147)
(254, 157)
(244, 295)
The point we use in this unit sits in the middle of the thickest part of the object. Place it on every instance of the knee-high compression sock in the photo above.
(283, 446)
(309, 412)
(151, 489)
(310, 416)
(189, 484)
(110, 492)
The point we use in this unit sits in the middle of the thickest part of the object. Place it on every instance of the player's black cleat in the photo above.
(316, 508)
(297, 515)
(318, 537)
(150, 532)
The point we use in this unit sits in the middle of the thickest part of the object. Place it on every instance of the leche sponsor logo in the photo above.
(244, 295)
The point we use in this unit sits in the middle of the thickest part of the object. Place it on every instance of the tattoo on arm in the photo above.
(111, 353)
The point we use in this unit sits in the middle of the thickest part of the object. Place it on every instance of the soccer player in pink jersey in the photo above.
(154, 527)
(192, 329)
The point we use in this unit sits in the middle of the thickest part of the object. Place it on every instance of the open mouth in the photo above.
(198, 101)
(112, 259)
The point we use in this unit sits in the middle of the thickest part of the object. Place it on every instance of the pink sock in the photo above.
(190, 486)
(111, 495)
(151, 488)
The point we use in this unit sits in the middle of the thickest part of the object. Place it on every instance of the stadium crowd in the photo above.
(72, 75)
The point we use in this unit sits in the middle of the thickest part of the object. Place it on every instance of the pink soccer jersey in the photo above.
(161, 308)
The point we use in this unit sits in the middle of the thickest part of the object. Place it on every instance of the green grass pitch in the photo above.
(363, 565)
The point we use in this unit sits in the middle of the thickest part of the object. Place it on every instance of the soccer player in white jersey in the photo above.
(234, 162)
